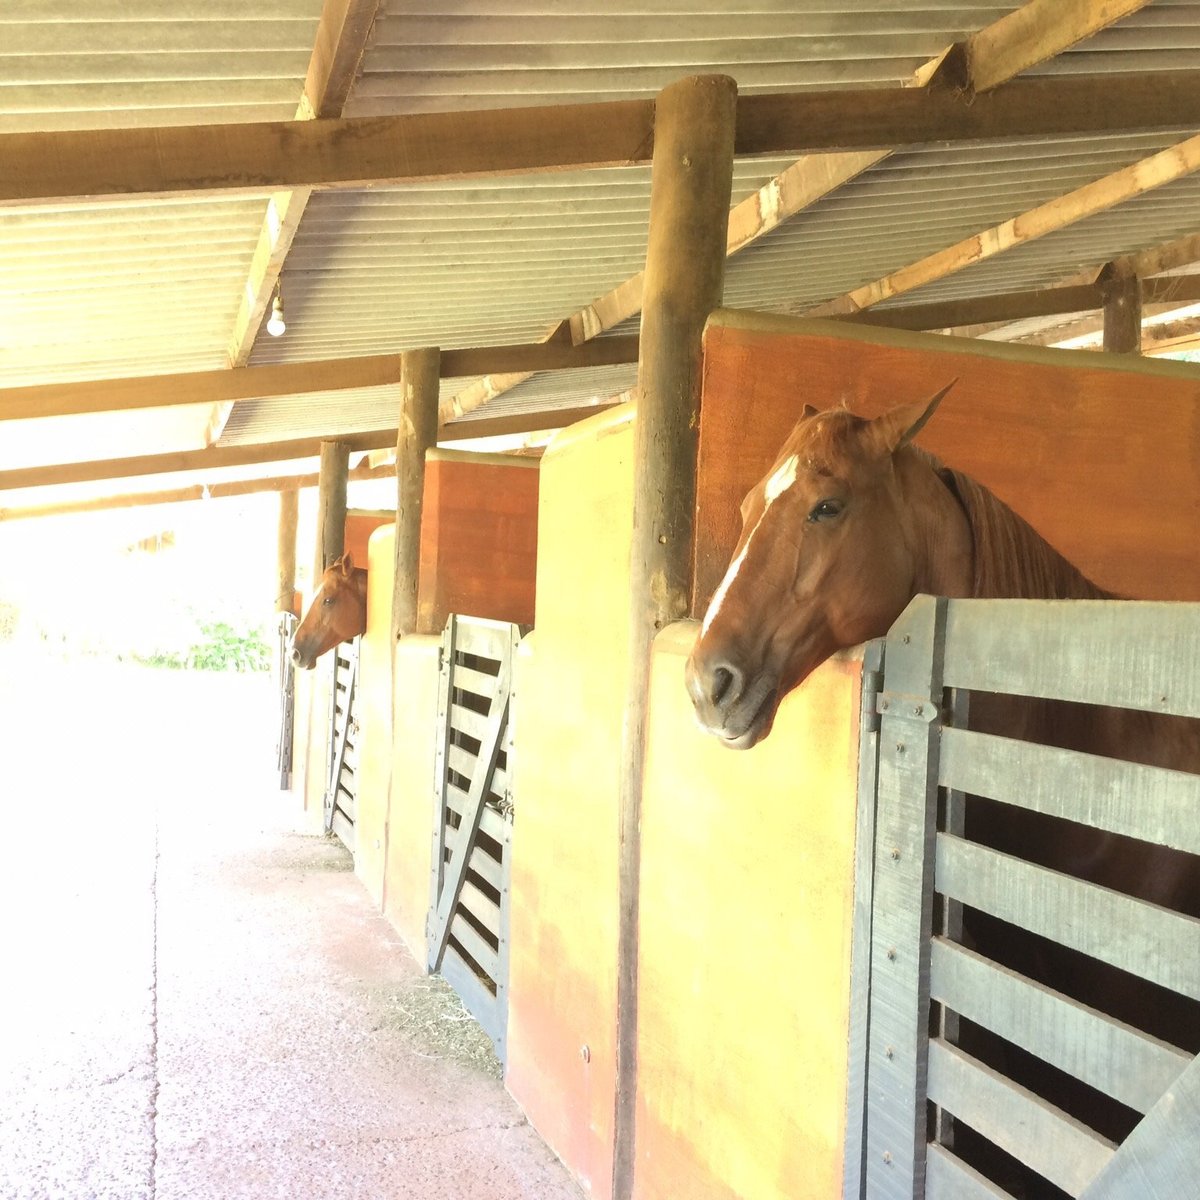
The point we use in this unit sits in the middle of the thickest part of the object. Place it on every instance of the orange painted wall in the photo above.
(1098, 452)
(479, 538)
(569, 695)
(747, 907)
(360, 526)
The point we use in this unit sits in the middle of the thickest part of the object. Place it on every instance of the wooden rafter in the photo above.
(215, 457)
(297, 379)
(987, 58)
(195, 491)
(342, 34)
(1035, 32)
(1135, 180)
(1005, 307)
(264, 157)
(1013, 316)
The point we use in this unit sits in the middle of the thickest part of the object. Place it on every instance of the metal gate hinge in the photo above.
(872, 681)
(906, 708)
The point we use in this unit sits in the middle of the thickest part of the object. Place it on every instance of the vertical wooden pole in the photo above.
(1122, 312)
(417, 433)
(331, 503)
(691, 181)
(289, 512)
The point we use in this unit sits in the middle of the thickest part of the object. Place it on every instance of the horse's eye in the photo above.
(826, 510)
(328, 600)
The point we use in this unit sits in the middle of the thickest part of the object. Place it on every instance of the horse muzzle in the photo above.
(737, 709)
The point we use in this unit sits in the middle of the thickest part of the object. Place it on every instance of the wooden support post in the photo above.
(690, 189)
(289, 512)
(1122, 311)
(331, 503)
(417, 433)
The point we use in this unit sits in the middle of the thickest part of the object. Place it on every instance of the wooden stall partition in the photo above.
(373, 704)
(568, 708)
(361, 523)
(310, 769)
(1098, 452)
(747, 914)
(408, 844)
(478, 538)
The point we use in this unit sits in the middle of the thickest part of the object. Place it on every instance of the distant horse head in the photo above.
(338, 612)
(835, 541)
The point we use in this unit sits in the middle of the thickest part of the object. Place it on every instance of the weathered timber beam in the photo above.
(690, 186)
(187, 460)
(265, 157)
(269, 452)
(298, 379)
(1019, 306)
(1033, 33)
(284, 484)
(338, 48)
(416, 435)
(989, 56)
(1137, 179)
(331, 503)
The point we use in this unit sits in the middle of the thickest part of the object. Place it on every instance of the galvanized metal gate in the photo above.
(468, 919)
(924, 1089)
(341, 789)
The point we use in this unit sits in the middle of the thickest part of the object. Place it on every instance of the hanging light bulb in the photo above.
(276, 326)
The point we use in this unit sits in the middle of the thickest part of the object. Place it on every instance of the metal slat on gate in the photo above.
(1026, 1057)
(468, 920)
(341, 790)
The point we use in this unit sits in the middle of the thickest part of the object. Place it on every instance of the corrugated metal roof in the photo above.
(140, 287)
(424, 58)
(463, 263)
(84, 64)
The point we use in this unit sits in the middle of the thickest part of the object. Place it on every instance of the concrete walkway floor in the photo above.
(196, 1002)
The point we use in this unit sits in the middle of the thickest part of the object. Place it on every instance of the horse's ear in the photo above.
(898, 427)
(347, 562)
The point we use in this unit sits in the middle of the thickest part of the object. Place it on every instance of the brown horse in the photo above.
(338, 612)
(849, 524)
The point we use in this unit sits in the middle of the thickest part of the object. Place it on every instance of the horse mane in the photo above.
(1012, 560)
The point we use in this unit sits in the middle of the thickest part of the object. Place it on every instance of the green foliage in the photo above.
(217, 646)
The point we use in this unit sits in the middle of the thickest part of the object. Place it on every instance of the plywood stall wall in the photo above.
(478, 538)
(395, 811)
(1098, 452)
(747, 906)
(360, 525)
(373, 705)
(747, 884)
(569, 696)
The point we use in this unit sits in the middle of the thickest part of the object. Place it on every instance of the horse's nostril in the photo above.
(721, 679)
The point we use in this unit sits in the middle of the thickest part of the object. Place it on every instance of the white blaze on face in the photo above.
(781, 479)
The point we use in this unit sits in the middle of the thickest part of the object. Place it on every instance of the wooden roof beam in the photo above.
(1005, 307)
(298, 379)
(260, 157)
(215, 457)
(195, 491)
(1135, 180)
(992, 55)
(1037, 31)
(341, 39)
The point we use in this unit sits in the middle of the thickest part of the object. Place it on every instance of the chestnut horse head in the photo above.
(338, 612)
(834, 544)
